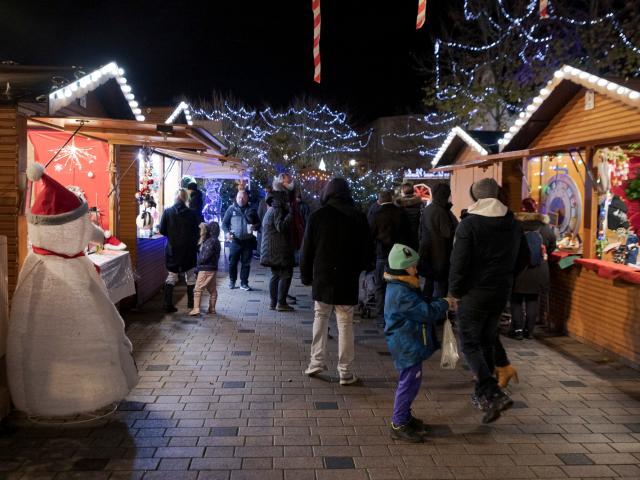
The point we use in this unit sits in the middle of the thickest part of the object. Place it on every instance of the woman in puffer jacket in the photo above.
(528, 285)
(277, 250)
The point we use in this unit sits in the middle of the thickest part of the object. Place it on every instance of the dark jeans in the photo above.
(279, 284)
(406, 392)
(381, 289)
(240, 252)
(478, 318)
(531, 303)
(435, 288)
(500, 354)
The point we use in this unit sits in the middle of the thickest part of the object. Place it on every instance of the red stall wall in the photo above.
(84, 162)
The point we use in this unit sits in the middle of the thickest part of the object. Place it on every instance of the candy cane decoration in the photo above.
(422, 8)
(544, 9)
(315, 5)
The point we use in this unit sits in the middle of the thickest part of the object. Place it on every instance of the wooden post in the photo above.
(590, 214)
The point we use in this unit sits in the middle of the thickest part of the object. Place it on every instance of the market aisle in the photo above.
(225, 398)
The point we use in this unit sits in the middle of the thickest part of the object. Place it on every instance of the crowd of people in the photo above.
(473, 267)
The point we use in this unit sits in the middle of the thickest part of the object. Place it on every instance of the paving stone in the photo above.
(156, 368)
(233, 384)
(90, 464)
(224, 431)
(572, 383)
(575, 459)
(326, 405)
(335, 463)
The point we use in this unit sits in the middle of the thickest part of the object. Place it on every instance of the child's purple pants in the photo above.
(406, 392)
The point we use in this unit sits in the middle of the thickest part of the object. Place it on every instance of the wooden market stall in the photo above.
(575, 149)
(463, 155)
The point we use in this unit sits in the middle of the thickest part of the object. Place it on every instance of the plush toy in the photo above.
(113, 243)
(67, 352)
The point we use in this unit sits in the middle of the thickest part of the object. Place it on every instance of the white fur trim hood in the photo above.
(488, 207)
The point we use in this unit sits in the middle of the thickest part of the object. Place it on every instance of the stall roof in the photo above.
(482, 141)
(566, 82)
(129, 132)
(182, 115)
(58, 87)
(207, 164)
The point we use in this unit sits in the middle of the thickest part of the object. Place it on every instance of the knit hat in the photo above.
(54, 204)
(402, 257)
(485, 188)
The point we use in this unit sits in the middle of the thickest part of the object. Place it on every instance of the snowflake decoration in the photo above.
(72, 156)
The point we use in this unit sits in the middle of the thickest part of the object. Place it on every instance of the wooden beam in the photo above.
(590, 220)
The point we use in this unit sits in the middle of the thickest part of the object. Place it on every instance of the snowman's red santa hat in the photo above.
(54, 204)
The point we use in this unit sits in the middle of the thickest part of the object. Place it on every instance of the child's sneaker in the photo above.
(406, 433)
(418, 425)
(312, 371)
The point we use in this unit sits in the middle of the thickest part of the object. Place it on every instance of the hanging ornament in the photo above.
(72, 156)
(422, 9)
(315, 5)
(544, 9)
(91, 174)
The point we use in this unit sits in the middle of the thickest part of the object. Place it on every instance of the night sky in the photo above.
(259, 51)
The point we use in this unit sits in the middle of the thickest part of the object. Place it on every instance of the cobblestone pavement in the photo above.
(225, 398)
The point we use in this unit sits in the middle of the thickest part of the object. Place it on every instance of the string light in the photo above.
(64, 96)
(580, 77)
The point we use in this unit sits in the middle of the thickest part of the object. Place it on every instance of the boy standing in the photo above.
(411, 337)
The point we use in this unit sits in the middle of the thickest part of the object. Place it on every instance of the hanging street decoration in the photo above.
(315, 5)
(422, 8)
(544, 9)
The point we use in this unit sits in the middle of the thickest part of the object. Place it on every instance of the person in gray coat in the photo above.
(276, 250)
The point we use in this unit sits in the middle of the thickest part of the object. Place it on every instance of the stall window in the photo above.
(618, 206)
(150, 168)
(172, 177)
(557, 183)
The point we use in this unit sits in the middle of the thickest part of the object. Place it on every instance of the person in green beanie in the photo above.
(410, 331)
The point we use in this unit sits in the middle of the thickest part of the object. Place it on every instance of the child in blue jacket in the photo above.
(411, 337)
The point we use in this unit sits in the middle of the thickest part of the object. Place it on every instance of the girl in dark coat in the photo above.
(277, 249)
(528, 285)
(208, 258)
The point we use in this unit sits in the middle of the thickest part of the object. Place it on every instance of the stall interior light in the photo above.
(64, 96)
(182, 106)
(580, 77)
(457, 131)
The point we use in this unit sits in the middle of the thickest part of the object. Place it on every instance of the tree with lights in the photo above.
(493, 58)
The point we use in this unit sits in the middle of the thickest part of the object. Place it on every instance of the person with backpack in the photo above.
(488, 248)
(525, 297)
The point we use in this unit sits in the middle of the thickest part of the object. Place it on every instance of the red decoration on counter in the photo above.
(610, 270)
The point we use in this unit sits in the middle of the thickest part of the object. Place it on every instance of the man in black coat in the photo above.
(437, 229)
(489, 248)
(389, 225)
(335, 249)
(196, 200)
(412, 206)
(180, 225)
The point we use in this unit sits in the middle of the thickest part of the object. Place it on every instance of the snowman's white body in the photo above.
(67, 351)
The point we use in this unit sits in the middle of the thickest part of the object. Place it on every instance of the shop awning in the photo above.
(131, 132)
(207, 164)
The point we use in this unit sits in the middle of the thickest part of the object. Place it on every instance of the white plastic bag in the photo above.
(450, 356)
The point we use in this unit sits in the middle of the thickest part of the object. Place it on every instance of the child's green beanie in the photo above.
(402, 257)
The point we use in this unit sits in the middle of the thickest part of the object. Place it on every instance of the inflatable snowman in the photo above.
(67, 351)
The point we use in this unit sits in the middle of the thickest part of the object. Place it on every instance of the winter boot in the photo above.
(495, 405)
(168, 299)
(190, 295)
(196, 303)
(505, 374)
